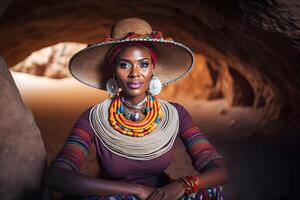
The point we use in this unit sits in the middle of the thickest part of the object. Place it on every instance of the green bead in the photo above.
(147, 109)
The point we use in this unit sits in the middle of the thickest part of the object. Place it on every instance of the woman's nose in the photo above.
(135, 71)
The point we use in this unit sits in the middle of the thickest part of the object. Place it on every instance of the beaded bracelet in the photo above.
(189, 183)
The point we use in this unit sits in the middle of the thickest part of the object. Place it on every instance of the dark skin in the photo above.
(133, 65)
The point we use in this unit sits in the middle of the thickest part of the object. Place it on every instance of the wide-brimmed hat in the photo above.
(173, 61)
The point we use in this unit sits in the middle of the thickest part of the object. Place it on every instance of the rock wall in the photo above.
(23, 156)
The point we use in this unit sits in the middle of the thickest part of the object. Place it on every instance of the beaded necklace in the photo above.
(141, 128)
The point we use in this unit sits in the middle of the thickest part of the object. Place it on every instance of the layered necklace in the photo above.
(151, 146)
(128, 123)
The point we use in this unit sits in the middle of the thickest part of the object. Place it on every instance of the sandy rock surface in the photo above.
(22, 155)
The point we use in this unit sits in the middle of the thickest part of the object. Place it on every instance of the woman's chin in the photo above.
(134, 92)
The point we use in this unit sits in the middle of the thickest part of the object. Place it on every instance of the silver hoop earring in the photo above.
(112, 86)
(155, 85)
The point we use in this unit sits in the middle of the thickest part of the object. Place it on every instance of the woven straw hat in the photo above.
(174, 60)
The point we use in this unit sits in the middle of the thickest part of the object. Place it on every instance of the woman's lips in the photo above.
(134, 85)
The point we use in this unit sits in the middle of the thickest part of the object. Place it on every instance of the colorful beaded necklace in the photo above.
(141, 128)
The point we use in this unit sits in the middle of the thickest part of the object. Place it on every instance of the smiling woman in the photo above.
(133, 130)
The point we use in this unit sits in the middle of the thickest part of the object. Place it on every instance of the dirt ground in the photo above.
(263, 161)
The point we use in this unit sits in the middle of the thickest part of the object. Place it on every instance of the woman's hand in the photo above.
(172, 191)
(143, 192)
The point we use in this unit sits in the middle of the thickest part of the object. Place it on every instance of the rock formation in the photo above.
(51, 61)
(23, 156)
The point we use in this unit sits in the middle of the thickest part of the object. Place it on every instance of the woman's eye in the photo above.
(124, 65)
(144, 64)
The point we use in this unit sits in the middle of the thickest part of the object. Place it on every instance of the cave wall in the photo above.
(22, 151)
(250, 49)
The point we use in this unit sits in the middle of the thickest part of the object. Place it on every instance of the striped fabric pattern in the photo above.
(75, 149)
(111, 197)
(212, 193)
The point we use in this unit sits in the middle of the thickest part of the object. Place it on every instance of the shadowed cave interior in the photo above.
(243, 91)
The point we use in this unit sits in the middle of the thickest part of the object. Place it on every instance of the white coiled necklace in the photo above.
(147, 147)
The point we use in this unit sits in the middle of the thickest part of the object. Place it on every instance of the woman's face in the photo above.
(133, 70)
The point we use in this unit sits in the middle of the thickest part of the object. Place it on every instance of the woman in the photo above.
(134, 131)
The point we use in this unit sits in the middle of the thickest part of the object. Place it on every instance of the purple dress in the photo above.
(146, 172)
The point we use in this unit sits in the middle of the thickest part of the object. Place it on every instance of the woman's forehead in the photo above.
(134, 52)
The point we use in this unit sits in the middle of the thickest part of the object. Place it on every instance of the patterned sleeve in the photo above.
(197, 146)
(77, 145)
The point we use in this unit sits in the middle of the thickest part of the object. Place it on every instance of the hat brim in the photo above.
(174, 61)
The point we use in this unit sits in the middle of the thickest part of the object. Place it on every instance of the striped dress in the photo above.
(148, 172)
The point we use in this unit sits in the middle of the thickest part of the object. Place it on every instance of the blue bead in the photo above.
(118, 197)
(157, 120)
(122, 109)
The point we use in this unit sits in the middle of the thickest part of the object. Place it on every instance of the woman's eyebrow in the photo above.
(123, 59)
(143, 59)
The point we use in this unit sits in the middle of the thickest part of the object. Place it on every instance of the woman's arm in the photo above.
(215, 173)
(210, 165)
(206, 160)
(66, 181)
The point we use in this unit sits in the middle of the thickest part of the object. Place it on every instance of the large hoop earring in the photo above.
(112, 86)
(155, 85)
